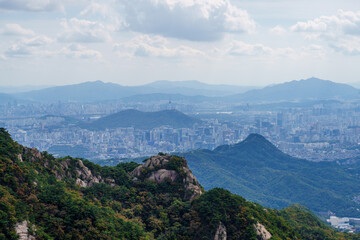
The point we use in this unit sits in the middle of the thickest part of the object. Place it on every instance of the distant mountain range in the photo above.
(194, 88)
(260, 172)
(309, 89)
(83, 92)
(193, 91)
(158, 97)
(143, 120)
(100, 91)
(19, 89)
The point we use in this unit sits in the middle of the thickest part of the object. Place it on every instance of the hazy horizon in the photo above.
(25, 88)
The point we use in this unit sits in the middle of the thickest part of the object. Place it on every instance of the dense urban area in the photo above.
(320, 130)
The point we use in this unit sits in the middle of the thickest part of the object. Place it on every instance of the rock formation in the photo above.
(166, 167)
(221, 233)
(22, 230)
(261, 232)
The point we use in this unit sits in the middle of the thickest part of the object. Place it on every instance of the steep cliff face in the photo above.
(165, 167)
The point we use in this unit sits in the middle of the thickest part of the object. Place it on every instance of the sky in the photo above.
(134, 42)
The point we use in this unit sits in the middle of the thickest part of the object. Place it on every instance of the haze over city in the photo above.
(251, 43)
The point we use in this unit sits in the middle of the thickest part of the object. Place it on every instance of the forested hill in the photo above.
(260, 172)
(46, 198)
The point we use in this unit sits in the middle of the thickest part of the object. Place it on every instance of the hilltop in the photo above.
(144, 120)
(46, 198)
(257, 170)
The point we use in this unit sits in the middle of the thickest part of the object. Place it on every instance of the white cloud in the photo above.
(277, 30)
(239, 48)
(146, 46)
(79, 51)
(28, 46)
(16, 30)
(18, 50)
(96, 8)
(347, 47)
(313, 50)
(341, 32)
(79, 30)
(345, 22)
(37, 41)
(195, 20)
(31, 5)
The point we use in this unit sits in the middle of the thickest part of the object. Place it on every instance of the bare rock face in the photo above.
(261, 232)
(22, 230)
(68, 167)
(160, 175)
(84, 177)
(34, 154)
(221, 233)
(161, 167)
(191, 185)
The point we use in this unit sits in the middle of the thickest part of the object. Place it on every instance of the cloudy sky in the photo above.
(132, 42)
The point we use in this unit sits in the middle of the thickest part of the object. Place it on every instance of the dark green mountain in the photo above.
(46, 198)
(260, 172)
(309, 89)
(144, 120)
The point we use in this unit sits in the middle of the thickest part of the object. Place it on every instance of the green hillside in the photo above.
(258, 171)
(144, 120)
(71, 198)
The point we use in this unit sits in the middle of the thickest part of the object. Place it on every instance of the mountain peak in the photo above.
(99, 82)
(257, 142)
(255, 137)
(253, 143)
(314, 79)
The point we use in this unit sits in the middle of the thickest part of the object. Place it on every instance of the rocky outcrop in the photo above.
(166, 167)
(85, 178)
(261, 232)
(160, 175)
(82, 175)
(22, 230)
(32, 155)
(64, 168)
(221, 233)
